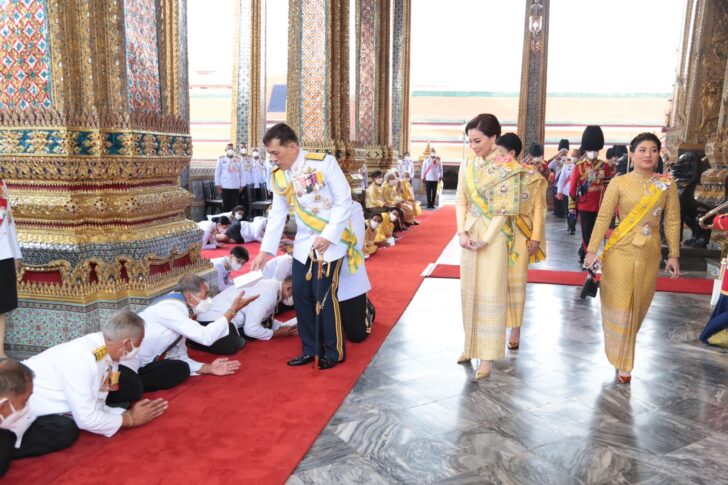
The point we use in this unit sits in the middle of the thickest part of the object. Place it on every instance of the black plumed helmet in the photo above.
(535, 150)
(563, 144)
(620, 150)
(593, 138)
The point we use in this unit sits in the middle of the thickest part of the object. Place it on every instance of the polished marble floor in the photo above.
(551, 412)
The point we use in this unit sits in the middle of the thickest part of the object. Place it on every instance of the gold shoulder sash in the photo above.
(100, 353)
(315, 222)
(482, 204)
(528, 231)
(643, 207)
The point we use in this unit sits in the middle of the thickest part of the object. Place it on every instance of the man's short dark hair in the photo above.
(376, 174)
(240, 253)
(14, 377)
(281, 132)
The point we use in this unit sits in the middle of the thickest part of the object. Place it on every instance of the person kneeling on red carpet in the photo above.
(162, 361)
(256, 321)
(83, 376)
(21, 434)
(225, 265)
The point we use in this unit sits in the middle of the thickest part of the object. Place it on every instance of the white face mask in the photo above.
(243, 151)
(407, 158)
(203, 306)
(14, 417)
(393, 183)
(432, 155)
(230, 153)
(379, 181)
(132, 353)
(574, 159)
(288, 301)
(235, 264)
(374, 224)
(393, 217)
(238, 216)
(256, 154)
(591, 155)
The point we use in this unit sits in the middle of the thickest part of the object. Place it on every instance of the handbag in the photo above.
(590, 286)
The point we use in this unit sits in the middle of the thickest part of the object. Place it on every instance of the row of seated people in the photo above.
(91, 382)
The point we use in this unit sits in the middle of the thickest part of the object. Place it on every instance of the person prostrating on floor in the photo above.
(487, 198)
(21, 433)
(631, 256)
(79, 377)
(162, 361)
(528, 234)
(316, 188)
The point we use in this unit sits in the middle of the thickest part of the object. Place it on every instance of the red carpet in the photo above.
(254, 426)
(698, 286)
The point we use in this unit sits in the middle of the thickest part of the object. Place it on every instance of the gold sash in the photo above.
(482, 204)
(314, 222)
(643, 207)
(527, 231)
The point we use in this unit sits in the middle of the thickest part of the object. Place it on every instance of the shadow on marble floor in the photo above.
(551, 412)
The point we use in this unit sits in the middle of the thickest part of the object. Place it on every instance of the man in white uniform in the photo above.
(317, 188)
(227, 178)
(252, 321)
(279, 268)
(76, 377)
(431, 176)
(163, 361)
(227, 264)
(21, 434)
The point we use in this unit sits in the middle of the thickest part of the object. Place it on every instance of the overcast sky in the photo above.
(476, 45)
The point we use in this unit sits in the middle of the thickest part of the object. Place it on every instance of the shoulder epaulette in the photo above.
(100, 353)
(315, 156)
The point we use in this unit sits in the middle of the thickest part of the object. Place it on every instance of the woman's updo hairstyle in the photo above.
(647, 136)
(486, 123)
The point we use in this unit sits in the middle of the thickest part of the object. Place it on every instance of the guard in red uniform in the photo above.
(588, 183)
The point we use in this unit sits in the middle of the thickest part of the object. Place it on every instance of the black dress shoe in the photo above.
(301, 360)
(325, 363)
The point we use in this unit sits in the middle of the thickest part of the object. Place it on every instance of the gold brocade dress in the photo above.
(484, 272)
(629, 268)
(532, 210)
(392, 199)
(374, 196)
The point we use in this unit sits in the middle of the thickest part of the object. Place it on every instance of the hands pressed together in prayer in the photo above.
(143, 412)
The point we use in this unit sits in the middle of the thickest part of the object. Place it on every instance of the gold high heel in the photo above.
(483, 374)
(462, 359)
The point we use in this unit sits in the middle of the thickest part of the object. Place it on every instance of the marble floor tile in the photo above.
(551, 411)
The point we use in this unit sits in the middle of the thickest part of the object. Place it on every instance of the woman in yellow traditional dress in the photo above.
(392, 198)
(405, 190)
(488, 196)
(528, 232)
(631, 256)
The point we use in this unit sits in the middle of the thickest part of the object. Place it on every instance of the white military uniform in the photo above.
(430, 172)
(278, 268)
(406, 166)
(164, 322)
(9, 247)
(564, 182)
(222, 266)
(259, 172)
(69, 378)
(355, 284)
(227, 172)
(247, 172)
(209, 229)
(255, 313)
(331, 202)
(253, 231)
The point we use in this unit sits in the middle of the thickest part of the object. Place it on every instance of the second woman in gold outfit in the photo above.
(631, 256)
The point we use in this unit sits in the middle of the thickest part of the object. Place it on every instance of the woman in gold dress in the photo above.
(392, 198)
(487, 198)
(631, 256)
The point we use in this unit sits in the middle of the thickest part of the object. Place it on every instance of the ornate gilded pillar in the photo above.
(402, 20)
(248, 116)
(372, 72)
(94, 136)
(698, 86)
(532, 99)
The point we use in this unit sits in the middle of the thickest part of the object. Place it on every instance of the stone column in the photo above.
(248, 92)
(94, 139)
(532, 100)
(402, 18)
